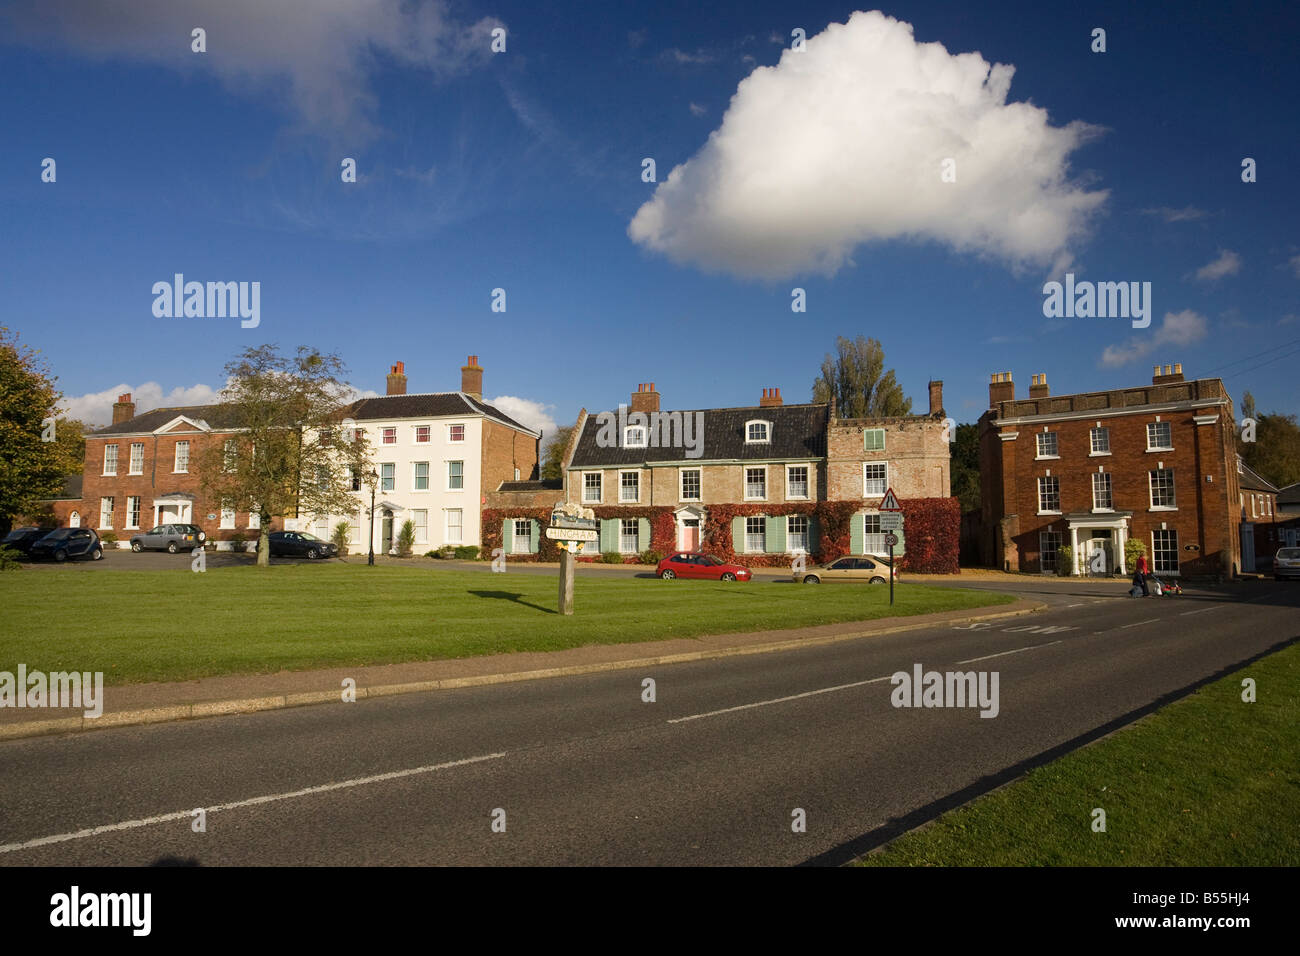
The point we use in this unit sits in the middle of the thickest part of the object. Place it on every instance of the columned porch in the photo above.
(1102, 536)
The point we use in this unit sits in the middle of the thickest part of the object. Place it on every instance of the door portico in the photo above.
(1106, 532)
(690, 528)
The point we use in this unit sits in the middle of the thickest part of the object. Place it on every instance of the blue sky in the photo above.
(522, 170)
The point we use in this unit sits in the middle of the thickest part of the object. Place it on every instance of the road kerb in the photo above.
(248, 705)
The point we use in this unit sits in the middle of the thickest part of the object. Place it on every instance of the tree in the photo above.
(965, 467)
(70, 445)
(30, 465)
(853, 377)
(288, 455)
(553, 452)
(1275, 452)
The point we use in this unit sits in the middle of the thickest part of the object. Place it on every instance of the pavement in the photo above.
(704, 762)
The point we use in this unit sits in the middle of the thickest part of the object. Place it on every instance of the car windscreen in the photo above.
(307, 536)
(18, 533)
(60, 534)
(1289, 553)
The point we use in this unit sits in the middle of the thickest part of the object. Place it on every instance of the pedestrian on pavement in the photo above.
(1140, 575)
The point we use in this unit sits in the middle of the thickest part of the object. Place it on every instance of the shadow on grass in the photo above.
(510, 596)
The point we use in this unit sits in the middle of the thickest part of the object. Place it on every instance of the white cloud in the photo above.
(698, 110)
(536, 415)
(843, 144)
(1186, 214)
(314, 54)
(96, 408)
(1176, 328)
(1228, 264)
(1295, 265)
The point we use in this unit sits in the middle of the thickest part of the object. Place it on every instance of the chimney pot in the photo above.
(397, 379)
(1002, 389)
(1178, 368)
(771, 398)
(645, 398)
(123, 409)
(471, 378)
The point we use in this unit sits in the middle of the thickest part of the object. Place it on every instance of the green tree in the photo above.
(30, 467)
(70, 445)
(965, 467)
(856, 379)
(288, 456)
(1275, 452)
(553, 452)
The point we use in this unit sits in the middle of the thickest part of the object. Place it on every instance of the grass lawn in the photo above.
(163, 625)
(1207, 781)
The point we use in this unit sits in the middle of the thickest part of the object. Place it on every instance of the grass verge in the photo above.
(1207, 781)
(164, 626)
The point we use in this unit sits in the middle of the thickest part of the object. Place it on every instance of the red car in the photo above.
(685, 564)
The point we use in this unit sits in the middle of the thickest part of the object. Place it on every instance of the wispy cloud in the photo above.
(1176, 328)
(698, 110)
(1227, 264)
(1186, 214)
(1294, 263)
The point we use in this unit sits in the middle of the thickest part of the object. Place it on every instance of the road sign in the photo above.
(891, 521)
(891, 502)
(572, 534)
(891, 540)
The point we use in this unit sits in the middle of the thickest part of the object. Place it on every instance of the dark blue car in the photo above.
(64, 543)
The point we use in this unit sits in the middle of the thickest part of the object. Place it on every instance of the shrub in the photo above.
(9, 559)
(1064, 560)
(466, 552)
(108, 537)
(406, 539)
(651, 556)
(1134, 548)
(611, 557)
(342, 536)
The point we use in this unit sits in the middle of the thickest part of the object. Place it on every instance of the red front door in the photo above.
(691, 534)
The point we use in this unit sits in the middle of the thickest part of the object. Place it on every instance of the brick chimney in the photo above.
(123, 408)
(645, 398)
(1174, 374)
(471, 378)
(1038, 386)
(1001, 388)
(936, 398)
(397, 379)
(771, 398)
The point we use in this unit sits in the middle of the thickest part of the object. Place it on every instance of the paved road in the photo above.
(588, 773)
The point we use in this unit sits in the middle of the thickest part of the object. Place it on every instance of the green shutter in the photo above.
(608, 535)
(507, 535)
(814, 535)
(643, 533)
(738, 534)
(857, 543)
(535, 529)
(775, 535)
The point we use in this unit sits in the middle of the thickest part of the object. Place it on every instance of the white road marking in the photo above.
(1137, 623)
(254, 801)
(1068, 606)
(988, 657)
(778, 700)
(1202, 610)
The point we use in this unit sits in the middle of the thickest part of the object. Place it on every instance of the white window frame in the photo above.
(884, 481)
(745, 476)
(176, 460)
(428, 434)
(455, 533)
(791, 535)
(451, 439)
(385, 432)
(136, 466)
(873, 431)
(624, 535)
(133, 525)
(526, 538)
(600, 488)
(681, 483)
(1151, 488)
(229, 456)
(1042, 497)
(1048, 543)
(1156, 425)
(388, 482)
(807, 483)
(112, 458)
(760, 535)
(1109, 489)
(420, 517)
(106, 505)
(254, 518)
(1155, 565)
(456, 461)
(1040, 440)
(873, 541)
(415, 477)
(636, 474)
(1093, 451)
(642, 436)
(766, 438)
(227, 519)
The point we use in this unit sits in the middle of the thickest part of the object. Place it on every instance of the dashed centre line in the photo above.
(1138, 623)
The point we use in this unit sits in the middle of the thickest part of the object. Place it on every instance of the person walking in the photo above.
(1140, 575)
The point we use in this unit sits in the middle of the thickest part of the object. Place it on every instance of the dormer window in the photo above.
(634, 436)
(757, 432)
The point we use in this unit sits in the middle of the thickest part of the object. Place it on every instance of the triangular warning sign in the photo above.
(890, 502)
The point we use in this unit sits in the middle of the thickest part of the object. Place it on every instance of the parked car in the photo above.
(685, 564)
(64, 543)
(1286, 563)
(172, 537)
(301, 544)
(872, 570)
(22, 539)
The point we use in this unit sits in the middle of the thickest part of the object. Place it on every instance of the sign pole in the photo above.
(566, 581)
(891, 575)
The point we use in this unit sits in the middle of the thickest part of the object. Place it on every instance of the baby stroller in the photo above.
(1163, 588)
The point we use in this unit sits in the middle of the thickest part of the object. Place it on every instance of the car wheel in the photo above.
(877, 580)
(97, 554)
(60, 555)
(667, 574)
(137, 547)
(311, 554)
(812, 579)
(171, 547)
(728, 576)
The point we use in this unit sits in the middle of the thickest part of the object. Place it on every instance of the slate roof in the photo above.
(429, 405)
(1252, 480)
(798, 431)
(1289, 494)
(546, 484)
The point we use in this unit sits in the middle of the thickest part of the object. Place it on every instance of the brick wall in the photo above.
(915, 448)
(504, 450)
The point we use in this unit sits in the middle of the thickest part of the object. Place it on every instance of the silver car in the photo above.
(169, 537)
(1286, 563)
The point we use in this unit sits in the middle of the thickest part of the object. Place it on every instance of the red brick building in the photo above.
(1091, 470)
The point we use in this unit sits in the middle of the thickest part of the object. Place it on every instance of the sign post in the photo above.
(571, 526)
(891, 509)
